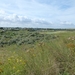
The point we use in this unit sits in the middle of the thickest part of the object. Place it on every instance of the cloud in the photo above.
(67, 24)
(22, 21)
(48, 13)
(42, 21)
(2, 12)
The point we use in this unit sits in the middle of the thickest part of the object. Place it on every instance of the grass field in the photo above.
(37, 52)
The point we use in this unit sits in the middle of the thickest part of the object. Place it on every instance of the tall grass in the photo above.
(49, 57)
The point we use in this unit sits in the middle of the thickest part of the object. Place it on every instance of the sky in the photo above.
(37, 13)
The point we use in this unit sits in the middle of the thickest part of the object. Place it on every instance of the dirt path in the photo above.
(55, 32)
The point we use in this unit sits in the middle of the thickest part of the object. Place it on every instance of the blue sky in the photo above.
(37, 13)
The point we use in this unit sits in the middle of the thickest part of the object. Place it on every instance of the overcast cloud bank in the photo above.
(37, 13)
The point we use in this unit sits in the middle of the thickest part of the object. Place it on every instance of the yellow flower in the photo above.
(9, 59)
(14, 67)
(34, 55)
(18, 71)
(25, 62)
(20, 60)
(14, 52)
(12, 56)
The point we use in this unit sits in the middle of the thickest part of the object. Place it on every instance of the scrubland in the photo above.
(25, 51)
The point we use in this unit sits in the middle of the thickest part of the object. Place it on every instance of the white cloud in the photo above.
(2, 12)
(48, 13)
(66, 23)
(14, 20)
(42, 21)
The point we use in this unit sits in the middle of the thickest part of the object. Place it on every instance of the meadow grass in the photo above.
(54, 56)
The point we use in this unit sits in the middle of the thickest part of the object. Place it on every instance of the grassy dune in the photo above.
(37, 52)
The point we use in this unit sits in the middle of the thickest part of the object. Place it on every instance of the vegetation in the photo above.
(28, 51)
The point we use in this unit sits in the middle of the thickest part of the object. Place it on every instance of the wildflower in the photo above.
(12, 56)
(14, 67)
(34, 55)
(17, 60)
(18, 71)
(20, 60)
(9, 59)
(14, 52)
(24, 62)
